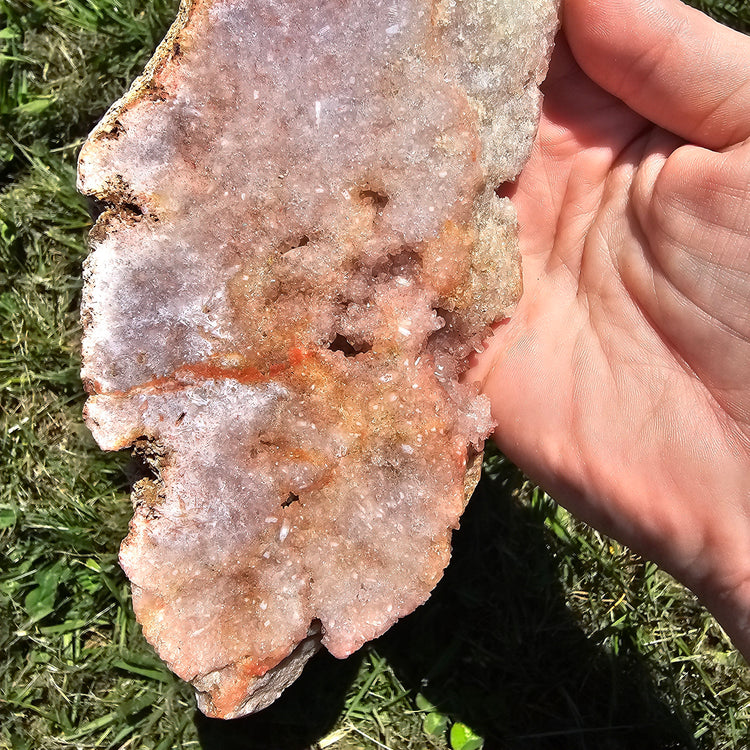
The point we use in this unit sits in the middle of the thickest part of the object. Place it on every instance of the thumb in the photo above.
(668, 62)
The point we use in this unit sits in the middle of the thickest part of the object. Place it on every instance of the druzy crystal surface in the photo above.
(300, 246)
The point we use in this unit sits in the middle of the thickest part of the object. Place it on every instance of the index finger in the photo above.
(668, 62)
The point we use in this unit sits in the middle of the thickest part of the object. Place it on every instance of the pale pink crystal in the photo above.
(301, 246)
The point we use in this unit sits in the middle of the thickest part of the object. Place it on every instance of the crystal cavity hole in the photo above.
(346, 347)
(292, 498)
(301, 242)
(379, 200)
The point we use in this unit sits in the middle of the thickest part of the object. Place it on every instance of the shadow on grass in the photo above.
(495, 647)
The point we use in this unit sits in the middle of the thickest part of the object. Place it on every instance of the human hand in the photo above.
(622, 381)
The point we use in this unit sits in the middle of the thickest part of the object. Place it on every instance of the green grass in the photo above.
(543, 633)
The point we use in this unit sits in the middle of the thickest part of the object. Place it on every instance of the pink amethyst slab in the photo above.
(300, 246)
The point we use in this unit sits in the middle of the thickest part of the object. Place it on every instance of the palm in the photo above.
(627, 358)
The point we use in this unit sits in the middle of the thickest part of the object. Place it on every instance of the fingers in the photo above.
(668, 62)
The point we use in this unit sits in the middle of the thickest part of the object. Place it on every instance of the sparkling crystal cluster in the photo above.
(300, 246)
